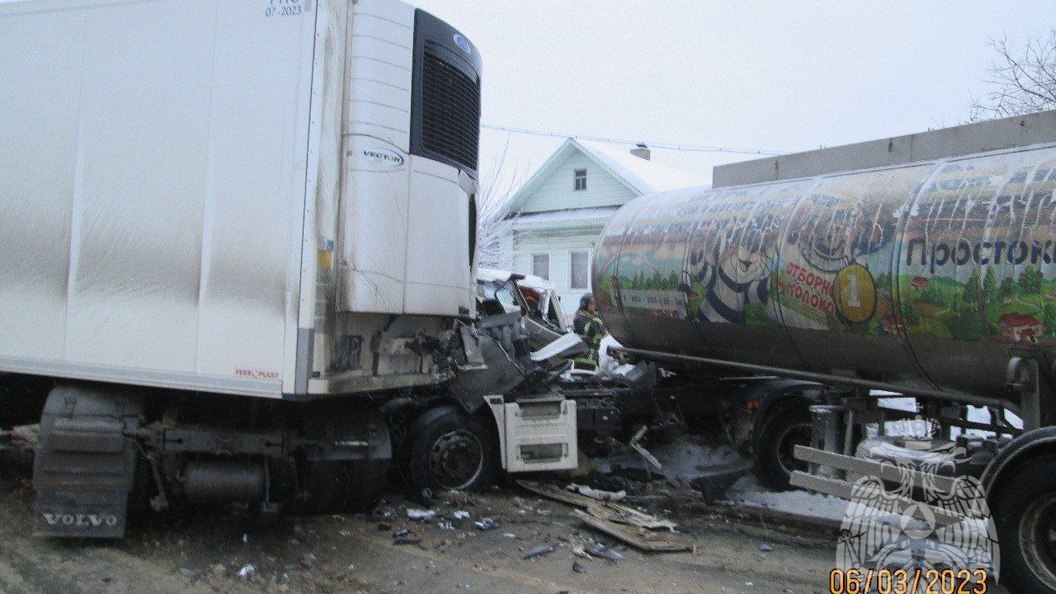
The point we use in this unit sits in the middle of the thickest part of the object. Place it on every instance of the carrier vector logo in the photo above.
(80, 520)
(384, 158)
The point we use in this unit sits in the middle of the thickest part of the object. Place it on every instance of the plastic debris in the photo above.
(460, 515)
(247, 571)
(603, 552)
(420, 514)
(539, 551)
(486, 524)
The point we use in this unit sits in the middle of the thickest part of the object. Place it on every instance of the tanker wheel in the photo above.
(342, 486)
(775, 446)
(446, 449)
(1025, 516)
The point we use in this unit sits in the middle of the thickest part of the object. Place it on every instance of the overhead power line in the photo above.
(649, 143)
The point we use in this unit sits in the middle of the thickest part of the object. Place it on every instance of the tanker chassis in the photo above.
(237, 258)
(804, 288)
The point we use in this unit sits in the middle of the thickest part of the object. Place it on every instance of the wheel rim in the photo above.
(1037, 539)
(456, 459)
(793, 435)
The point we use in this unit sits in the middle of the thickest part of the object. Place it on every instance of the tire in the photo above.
(786, 428)
(1025, 517)
(446, 449)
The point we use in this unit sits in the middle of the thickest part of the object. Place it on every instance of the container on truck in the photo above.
(238, 254)
(923, 266)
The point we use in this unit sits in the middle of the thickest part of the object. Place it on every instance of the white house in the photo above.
(560, 211)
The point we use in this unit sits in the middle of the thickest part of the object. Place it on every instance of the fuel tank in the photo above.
(930, 274)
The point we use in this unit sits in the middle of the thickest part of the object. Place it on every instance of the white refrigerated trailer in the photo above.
(230, 231)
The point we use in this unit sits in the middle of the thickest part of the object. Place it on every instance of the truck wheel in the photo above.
(446, 449)
(342, 486)
(775, 445)
(1025, 516)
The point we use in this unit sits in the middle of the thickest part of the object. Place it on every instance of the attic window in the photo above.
(579, 176)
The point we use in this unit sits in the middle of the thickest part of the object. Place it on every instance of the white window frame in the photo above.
(576, 177)
(578, 251)
(549, 264)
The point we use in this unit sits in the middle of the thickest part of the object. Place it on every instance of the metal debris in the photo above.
(635, 443)
(539, 551)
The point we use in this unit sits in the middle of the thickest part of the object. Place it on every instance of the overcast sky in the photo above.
(783, 76)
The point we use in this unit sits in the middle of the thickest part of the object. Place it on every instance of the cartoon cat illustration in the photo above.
(726, 282)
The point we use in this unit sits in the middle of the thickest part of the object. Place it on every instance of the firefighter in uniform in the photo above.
(591, 329)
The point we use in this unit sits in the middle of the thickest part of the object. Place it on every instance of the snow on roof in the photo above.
(640, 175)
(577, 216)
(645, 176)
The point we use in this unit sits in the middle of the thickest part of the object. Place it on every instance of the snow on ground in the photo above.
(694, 456)
(749, 492)
(686, 458)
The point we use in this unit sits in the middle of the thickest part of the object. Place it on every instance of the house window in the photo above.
(579, 176)
(578, 270)
(541, 265)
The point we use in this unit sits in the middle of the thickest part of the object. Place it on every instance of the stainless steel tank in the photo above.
(932, 273)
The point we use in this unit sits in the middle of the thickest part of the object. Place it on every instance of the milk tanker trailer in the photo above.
(932, 278)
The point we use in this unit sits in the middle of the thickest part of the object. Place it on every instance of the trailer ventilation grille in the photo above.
(450, 112)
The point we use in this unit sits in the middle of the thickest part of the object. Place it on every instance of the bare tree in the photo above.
(1024, 80)
(494, 219)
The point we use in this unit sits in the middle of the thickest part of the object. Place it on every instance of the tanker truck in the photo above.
(802, 289)
(237, 258)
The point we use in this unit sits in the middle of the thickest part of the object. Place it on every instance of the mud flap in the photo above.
(85, 467)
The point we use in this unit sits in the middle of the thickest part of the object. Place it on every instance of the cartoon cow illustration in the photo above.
(726, 281)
